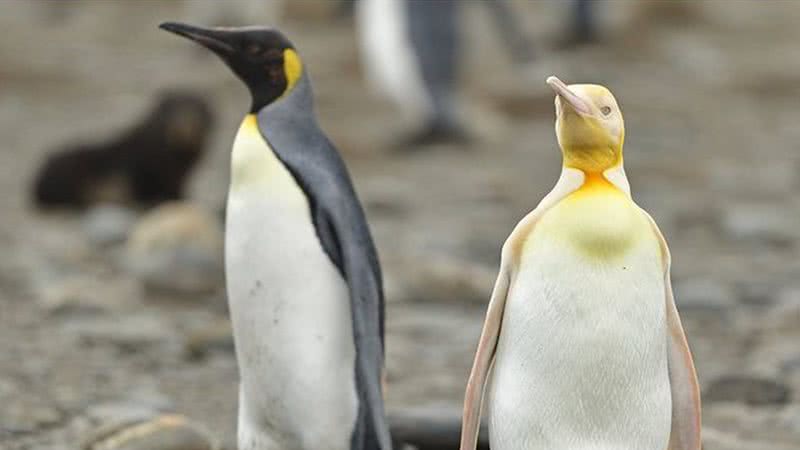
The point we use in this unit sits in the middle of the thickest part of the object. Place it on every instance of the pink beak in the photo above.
(561, 89)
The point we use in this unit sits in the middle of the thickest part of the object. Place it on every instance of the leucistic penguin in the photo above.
(304, 284)
(582, 335)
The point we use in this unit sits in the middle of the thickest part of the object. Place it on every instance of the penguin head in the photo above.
(589, 126)
(261, 57)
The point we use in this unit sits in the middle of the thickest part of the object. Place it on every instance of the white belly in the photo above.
(581, 362)
(290, 310)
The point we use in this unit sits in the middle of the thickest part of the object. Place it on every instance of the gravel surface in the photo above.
(711, 151)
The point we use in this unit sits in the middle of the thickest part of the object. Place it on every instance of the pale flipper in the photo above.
(570, 181)
(686, 421)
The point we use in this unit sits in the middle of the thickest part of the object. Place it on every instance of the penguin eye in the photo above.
(606, 110)
(273, 57)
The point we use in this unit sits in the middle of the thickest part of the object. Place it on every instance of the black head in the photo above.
(262, 57)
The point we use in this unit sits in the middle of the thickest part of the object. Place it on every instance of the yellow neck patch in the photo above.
(292, 67)
(596, 183)
(598, 219)
(253, 163)
(249, 125)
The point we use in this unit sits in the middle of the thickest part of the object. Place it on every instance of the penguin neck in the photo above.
(297, 102)
(257, 155)
(595, 180)
(591, 159)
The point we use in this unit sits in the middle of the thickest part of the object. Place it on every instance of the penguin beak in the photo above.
(215, 40)
(562, 90)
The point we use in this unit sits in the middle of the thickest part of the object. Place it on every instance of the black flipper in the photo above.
(290, 128)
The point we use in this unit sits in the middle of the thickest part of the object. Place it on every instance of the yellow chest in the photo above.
(255, 166)
(597, 220)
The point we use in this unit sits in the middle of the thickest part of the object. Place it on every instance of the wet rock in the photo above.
(71, 296)
(750, 390)
(773, 353)
(768, 177)
(217, 336)
(25, 411)
(789, 418)
(131, 333)
(791, 364)
(161, 432)
(27, 417)
(87, 294)
(763, 222)
(778, 331)
(525, 103)
(442, 279)
(138, 405)
(705, 294)
(431, 428)
(756, 294)
(719, 440)
(784, 317)
(117, 414)
(108, 224)
(178, 248)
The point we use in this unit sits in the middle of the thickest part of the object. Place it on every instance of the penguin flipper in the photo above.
(685, 434)
(360, 267)
(571, 179)
(473, 398)
(291, 131)
(686, 420)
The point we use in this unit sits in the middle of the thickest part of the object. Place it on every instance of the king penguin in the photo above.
(411, 53)
(582, 336)
(304, 284)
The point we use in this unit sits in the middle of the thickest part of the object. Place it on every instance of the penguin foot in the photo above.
(435, 134)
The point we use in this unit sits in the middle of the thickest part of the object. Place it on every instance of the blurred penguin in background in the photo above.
(411, 54)
(146, 165)
(582, 25)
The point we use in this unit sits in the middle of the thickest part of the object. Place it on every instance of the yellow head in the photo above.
(589, 126)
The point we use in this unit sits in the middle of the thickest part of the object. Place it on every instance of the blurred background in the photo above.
(112, 304)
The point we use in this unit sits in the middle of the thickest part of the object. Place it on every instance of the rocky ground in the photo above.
(712, 144)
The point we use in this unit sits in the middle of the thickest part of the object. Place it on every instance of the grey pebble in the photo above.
(108, 224)
(753, 391)
(703, 293)
(161, 432)
(177, 248)
(769, 223)
(217, 336)
(131, 332)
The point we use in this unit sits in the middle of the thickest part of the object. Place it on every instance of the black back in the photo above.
(290, 127)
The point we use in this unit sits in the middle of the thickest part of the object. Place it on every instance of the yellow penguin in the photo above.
(584, 342)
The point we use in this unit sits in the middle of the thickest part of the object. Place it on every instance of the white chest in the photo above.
(581, 361)
(290, 310)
